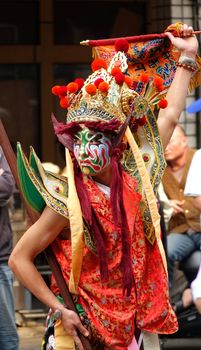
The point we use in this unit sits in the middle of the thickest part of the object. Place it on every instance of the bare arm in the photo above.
(21, 261)
(169, 117)
(34, 241)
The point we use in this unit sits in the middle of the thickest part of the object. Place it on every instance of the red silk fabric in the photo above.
(114, 316)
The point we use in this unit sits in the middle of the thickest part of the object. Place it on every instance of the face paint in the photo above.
(91, 149)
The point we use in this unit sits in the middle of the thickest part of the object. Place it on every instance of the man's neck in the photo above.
(105, 177)
(176, 165)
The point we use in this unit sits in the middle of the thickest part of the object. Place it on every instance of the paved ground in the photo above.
(182, 344)
(30, 339)
(30, 336)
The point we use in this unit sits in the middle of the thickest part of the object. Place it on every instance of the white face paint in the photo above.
(92, 151)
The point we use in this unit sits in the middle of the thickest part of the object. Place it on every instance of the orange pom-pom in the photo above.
(160, 88)
(103, 86)
(144, 78)
(128, 81)
(79, 82)
(91, 89)
(115, 71)
(162, 103)
(72, 87)
(98, 81)
(120, 78)
(158, 81)
(64, 102)
(121, 45)
(97, 64)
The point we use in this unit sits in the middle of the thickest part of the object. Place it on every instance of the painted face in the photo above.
(92, 149)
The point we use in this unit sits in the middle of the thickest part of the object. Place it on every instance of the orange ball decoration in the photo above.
(97, 64)
(158, 82)
(72, 87)
(91, 89)
(103, 86)
(144, 78)
(115, 71)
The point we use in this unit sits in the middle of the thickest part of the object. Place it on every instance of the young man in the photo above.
(114, 265)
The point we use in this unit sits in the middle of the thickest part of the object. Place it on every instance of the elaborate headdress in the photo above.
(120, 95)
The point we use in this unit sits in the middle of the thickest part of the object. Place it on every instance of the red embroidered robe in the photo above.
(113, 316)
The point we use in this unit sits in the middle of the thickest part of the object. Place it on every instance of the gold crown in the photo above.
(110, 93)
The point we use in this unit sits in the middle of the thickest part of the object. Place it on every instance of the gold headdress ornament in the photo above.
(114, 91)
(110, 93)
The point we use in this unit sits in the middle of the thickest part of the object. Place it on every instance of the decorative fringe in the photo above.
(83, 196)
(126, 263)
(114, 192)
(119, 217)
(113, 125)
(91, 220)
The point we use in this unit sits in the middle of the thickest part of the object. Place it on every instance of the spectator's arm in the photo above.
(6, 181)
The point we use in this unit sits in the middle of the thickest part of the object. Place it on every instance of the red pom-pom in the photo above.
(64, 102)
(98, 81)
(142, 121)
(62, 90)
(144, 78)
(120, 78)
(162, 103)
(59, 90)
(91, 89)
(72, 87)
(115, 71)
(55, 90)
(79, 82)
(103, 87)
(160, 88)
(121, 45)
(158, 82)
(97, 64)
(128, 81)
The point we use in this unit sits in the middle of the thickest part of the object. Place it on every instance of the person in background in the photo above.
(192, 295)
(184, 225)
(8, 332)
(193, 189)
